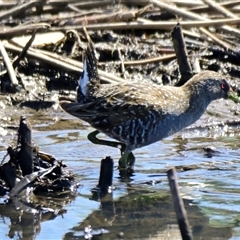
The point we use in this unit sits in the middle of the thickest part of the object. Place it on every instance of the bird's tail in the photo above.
(89, 81)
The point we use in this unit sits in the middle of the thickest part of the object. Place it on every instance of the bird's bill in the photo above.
(233, 96)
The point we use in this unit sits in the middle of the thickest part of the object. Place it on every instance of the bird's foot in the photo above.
(126, 163)
(127, 160)
(125, 173)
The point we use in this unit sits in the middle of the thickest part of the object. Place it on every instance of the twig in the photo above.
(65, 64)
(91, 4)
(145, 61)
(25, 141)
(122, 63)
(61, 2)
(184, 13)
(150, 60)
(114, 17)
(100, 3)
(19, 9)
(119, 16)
(8, 172)
(8, 4)
(71, 65)
(194, 34)
(74, 8)
(106, 173)
(104, 186)
(179, 206)
(220, 9)
(24, 51)
(165, 25)
(184, 3)
(214, 38)
(8, 64)
(205, 8)
(181, 54)
(21, 30)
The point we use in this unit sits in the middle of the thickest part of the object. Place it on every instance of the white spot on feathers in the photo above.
(84, 79)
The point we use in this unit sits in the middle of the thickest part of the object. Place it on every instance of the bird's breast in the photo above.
(140, 132)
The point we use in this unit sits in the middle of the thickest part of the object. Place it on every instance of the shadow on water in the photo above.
(140, 207)
(140, 214)
(22, 219)
(145, 215)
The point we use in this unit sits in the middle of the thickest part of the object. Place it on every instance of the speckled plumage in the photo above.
(138, 114)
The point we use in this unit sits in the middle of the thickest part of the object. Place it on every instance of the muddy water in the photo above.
(140, 207)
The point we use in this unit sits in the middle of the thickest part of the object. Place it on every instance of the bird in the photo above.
(137, 114)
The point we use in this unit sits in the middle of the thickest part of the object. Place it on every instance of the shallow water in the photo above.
(140, 207)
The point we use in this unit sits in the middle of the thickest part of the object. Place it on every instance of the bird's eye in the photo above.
(223, 85)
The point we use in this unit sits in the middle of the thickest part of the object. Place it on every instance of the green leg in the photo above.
(127, 158)
(131, 160)
(92, 138)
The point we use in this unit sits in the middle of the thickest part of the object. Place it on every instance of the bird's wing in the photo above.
(100, 114)
(117, 105)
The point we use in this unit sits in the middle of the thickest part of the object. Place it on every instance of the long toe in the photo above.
(130, 160)
(123, 160)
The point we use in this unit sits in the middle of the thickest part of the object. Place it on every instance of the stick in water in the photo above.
(179, 206)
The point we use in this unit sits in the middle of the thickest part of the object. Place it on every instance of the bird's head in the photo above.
(211, 86)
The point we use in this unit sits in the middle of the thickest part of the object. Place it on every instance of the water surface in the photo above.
(140, 207)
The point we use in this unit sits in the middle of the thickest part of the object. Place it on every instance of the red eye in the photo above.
(223, 85)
